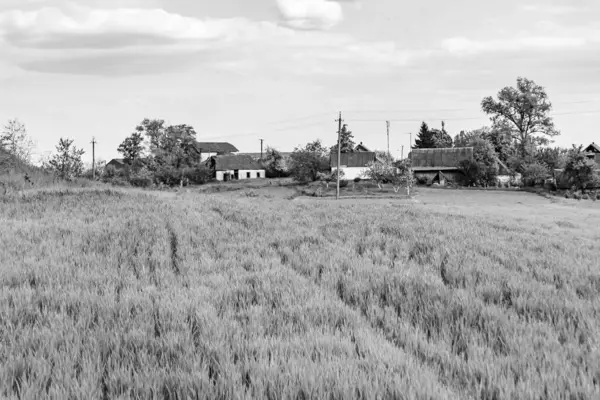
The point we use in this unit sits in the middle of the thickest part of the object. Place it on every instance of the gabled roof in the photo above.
(439, 159)
(117, 161)
(361, 148)
(358, 159)
(235, 162)
(216, 147)
(593, 148)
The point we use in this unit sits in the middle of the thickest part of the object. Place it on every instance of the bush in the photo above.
(357, 179)
(141, 178)
(343, 183)
(535, 173)
(421, 180)
(585, 197)
(198, 175)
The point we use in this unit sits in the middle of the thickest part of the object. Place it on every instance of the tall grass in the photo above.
(106, 294)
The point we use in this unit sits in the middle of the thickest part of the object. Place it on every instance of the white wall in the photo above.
(351, 173)
(243, 174)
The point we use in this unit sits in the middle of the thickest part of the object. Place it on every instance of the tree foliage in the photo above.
(424, 139)
(132, 148)
(524, 110)
(15, 140)
(274, 163)
(579, 169)
(346, 141)
(308, 161)
(483, 168)
(441, 138)
(66, 162)
(535, 173)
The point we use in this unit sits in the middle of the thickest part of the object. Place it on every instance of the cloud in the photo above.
(551, 9)
(310, 14)
(465, 46)
(80, 27)
(130, 41)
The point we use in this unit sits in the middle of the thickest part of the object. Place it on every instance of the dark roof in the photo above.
(361, 147)
(216, 147)
(593, 148)
(117, 161)
(357, 159)
(439, 159)
(235, 162)
(256, 156)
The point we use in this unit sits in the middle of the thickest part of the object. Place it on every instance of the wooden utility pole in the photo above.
(261, 148)
(93, 158)
(402, 154)
(339, 121)
(388, 136)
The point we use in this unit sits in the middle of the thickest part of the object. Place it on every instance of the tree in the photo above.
(346, 140)
(402, 175)
(554, 158)
(384, 156)
(535, 173)
(579, 169)
(154, 130)
(132, 148)
(66, 163)
(465, 139)
(15, 140)
(483, 169)
(441, 138)
(308, 161)
(379, 172)
(273, 162)
(424, 138)
(525, 110)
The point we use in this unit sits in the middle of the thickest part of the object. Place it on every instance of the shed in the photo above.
(593, 152)
(117, 163)
(240, 167)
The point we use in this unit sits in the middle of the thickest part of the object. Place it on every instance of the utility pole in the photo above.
(388, 136)
(261, 148)
(402, 154)
(93, 158)
(339, 121)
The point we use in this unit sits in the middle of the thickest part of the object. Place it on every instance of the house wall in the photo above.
(597, 157)
(453, 176)
(351, 173)
(254, 174)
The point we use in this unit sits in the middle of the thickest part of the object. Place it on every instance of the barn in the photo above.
(117, 163)
(234, 167)
(438, 165)
(353, 165)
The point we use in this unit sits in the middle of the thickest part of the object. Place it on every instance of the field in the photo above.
(458, 294)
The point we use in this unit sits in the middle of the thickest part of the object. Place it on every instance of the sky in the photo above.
(282, 70)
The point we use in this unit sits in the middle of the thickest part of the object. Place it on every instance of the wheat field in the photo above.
(109, 294)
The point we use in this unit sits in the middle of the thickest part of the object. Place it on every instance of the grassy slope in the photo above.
(104, 294)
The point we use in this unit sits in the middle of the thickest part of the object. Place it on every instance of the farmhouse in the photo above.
(593, 152)
(234, 167)
(117, 163)
(353, 165)
(439, 165)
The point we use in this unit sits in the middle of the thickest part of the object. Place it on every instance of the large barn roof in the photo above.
(216, 147)
(235, 162)
(358, 159)
(439, 159)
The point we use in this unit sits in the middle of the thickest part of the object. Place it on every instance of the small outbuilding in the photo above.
(235, 167)
(117, 163)
(593, 152)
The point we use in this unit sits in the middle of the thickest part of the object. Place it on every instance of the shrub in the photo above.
(357, 179)
(535, 173)
(141, 178)
(580, 170)
(585, 197)
(198, 175)
(577, 196)
(343, 183)
(421, 180)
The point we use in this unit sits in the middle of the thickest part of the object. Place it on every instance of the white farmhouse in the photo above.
(353, 165)
(235, 167)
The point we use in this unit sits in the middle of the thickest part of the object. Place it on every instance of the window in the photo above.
(248, 175)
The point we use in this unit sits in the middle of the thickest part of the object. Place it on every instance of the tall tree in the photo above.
(424, 138)
(525, 109)
(346, 141)
(274, 162)
(154, 130)
(132, 148)
(66, 162)
(15, 140)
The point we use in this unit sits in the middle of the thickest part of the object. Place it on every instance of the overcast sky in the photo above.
(280, 70)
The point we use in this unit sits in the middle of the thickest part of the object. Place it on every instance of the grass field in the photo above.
(119, 294)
